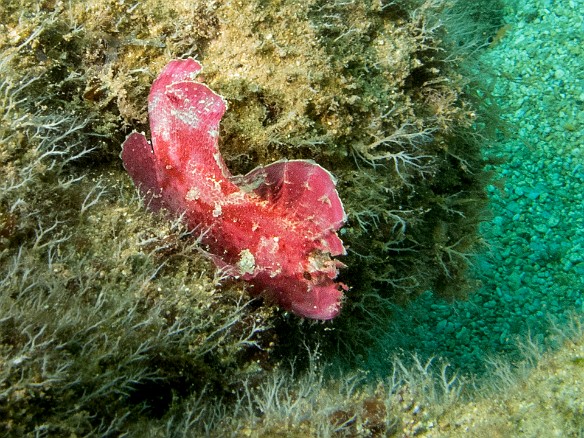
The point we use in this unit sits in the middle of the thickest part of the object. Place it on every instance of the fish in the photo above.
(275, 227)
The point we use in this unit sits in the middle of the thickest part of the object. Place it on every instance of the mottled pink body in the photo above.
(274, 227)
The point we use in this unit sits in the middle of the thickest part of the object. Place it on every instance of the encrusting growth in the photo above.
(275, 227)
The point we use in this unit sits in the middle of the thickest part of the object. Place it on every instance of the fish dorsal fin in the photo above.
(303, 190)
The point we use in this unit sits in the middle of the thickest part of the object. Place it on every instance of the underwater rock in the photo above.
(274, 227)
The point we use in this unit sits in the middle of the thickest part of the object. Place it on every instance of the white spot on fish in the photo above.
(217, 210)
(246, 263)
(193, 194)
(325, 200)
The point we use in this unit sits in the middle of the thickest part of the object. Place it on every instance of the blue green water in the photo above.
(532, 268)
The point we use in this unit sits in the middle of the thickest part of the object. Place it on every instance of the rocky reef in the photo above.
(112, 317)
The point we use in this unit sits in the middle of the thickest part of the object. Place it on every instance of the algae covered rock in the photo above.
(104, 305)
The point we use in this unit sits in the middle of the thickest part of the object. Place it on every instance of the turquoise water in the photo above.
(532, 268)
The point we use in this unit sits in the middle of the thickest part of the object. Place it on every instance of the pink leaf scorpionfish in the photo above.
(274, 227)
